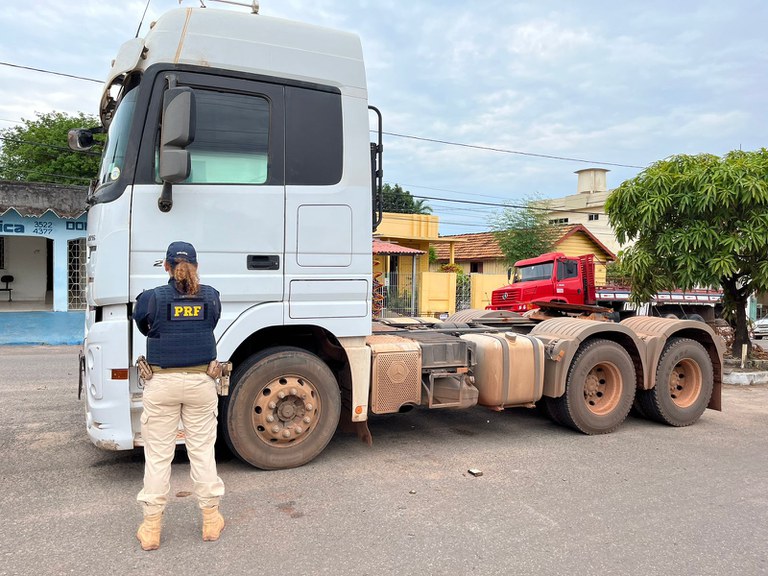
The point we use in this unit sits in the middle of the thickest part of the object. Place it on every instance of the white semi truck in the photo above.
(249, 137)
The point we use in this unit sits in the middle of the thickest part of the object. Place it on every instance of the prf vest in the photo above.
(182, 328)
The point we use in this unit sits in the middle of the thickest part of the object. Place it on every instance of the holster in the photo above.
(220, 372)
(145, 370)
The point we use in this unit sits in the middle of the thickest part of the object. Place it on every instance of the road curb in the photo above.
(745, 378)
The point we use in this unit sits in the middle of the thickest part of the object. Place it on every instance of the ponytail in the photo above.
(185, 275)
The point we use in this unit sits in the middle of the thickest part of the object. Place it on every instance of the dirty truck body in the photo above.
(248, 136)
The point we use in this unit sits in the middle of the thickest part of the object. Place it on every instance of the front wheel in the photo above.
(600, 388)
(684, 382)
(283, 410)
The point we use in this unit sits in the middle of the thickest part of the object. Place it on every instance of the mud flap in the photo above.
(81, 378)
(347, 426)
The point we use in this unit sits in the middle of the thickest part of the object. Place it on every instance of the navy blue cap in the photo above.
(181, 252)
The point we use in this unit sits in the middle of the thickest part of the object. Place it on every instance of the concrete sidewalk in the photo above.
(33, 328)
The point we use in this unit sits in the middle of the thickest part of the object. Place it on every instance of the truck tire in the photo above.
(599, 390)
(684, 382)
(283, 409)
(547, 407)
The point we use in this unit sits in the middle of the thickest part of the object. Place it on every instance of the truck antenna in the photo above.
(142, 18)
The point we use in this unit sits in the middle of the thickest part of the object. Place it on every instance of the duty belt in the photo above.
(197, 368)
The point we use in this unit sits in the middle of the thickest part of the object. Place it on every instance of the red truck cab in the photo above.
(551, 277)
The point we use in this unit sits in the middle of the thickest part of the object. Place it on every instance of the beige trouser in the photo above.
(170, 397)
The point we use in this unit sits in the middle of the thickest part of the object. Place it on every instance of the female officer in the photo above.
(178, 320)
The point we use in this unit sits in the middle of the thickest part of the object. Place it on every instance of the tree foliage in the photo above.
(395, 199)
(37, 151)
(524, 232)
(697, 221)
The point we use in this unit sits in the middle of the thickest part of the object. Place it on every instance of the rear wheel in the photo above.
(283, 410)
(684, 382)
(547, 407)
(599, 390)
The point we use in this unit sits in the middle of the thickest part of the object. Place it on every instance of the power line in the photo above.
(51, 72)
(505, 151)
(503, 205)
(451, 191)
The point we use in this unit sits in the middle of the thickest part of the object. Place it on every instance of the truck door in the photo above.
(232, 206)
(568, 285)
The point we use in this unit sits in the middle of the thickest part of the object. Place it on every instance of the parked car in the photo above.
(760, 328)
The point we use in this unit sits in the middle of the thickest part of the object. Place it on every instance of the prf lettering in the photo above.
(186, 311)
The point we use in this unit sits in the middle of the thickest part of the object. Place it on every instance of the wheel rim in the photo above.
(286, 411)
(685, 382)
(602, 389)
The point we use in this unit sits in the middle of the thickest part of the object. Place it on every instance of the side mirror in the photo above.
(81, 139)
(177, 132)
(509, 275)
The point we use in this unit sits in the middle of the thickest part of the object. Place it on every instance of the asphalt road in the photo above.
(645, 500)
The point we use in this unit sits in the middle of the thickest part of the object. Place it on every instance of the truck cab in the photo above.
(247, 136)
(551, 277)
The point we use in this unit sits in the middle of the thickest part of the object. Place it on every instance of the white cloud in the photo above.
(546, 39)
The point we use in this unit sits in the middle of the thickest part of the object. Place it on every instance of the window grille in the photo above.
(76, 274)
(463, 292)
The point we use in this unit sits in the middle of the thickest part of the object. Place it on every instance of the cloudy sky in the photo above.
(550, 86)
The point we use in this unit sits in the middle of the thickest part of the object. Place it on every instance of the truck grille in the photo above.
(505, 297)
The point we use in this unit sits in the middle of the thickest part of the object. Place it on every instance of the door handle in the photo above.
(263, 262)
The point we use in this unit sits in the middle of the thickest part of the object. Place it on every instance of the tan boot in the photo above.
(149, 531)
(213, 523)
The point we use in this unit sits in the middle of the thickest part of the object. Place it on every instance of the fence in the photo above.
(435, 293)
(394, 294)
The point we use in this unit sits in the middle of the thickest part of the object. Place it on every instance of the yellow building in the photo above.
(403, 283)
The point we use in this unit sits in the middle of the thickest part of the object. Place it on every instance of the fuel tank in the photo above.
(509, 369)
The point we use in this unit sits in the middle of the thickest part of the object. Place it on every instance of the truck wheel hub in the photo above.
(286, 410)
(685, 383)
(602, 388)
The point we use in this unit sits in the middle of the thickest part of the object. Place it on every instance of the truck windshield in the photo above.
(534, 272)
(113, 160)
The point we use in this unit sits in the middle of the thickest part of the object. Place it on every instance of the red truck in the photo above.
(555, 277)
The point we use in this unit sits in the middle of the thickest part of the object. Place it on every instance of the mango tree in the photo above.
(697, 221)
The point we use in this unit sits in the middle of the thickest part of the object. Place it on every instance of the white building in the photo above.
(586, 207)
